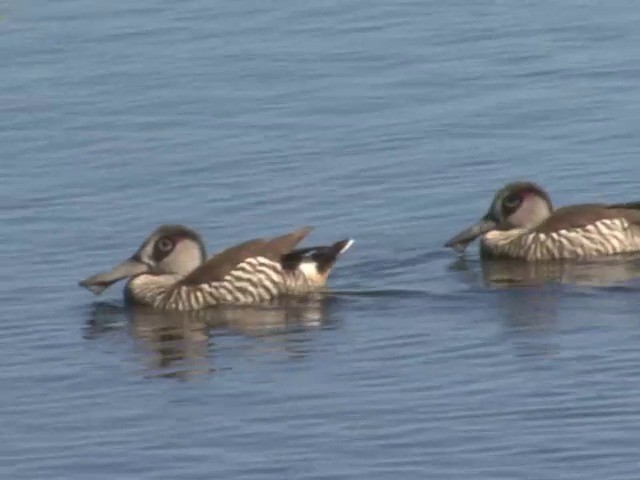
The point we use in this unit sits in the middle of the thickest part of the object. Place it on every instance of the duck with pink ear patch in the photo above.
(521, 223)
(170, 271)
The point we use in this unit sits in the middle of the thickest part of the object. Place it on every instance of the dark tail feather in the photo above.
(324, 256)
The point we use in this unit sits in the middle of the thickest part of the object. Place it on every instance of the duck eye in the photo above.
(165, 244)
(512, 201)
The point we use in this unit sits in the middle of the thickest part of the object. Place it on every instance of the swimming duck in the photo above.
(170, 271)
(521, 223)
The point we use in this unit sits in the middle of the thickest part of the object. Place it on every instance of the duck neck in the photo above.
(504, 242)
(147, 289)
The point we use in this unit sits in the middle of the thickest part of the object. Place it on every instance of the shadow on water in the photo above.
(395, 293)
(181, 344)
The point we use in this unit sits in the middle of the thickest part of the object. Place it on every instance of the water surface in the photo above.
(393, 123)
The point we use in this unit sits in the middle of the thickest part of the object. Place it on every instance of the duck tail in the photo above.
(316, 263)
(325, 257)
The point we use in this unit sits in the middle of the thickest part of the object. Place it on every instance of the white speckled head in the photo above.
(520, 205)
(173, 249)
(516, 205)
(169, 250)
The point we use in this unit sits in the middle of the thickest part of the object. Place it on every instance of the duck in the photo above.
(521, 223)
(170, 270)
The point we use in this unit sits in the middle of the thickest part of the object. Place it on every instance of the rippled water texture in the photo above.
(392, 122)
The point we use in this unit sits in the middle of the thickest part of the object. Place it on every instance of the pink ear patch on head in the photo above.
(528, 193)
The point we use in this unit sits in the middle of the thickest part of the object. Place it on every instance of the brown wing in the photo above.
(579, 216)
(279, 246)
(628, 211)
(218, 266)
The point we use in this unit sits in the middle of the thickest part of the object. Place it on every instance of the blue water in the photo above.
(392, 122)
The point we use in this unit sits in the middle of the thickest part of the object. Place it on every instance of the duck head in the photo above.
(516, 205)
(169, 250)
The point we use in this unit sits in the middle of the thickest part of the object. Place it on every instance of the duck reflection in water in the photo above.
(504, 273)
(529, 295)
(179, 344)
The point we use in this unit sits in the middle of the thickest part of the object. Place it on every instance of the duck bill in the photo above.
(460, 241)
(100, 282)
